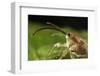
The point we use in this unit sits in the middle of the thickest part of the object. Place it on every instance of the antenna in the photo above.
(49, 23)
(55, 27)
(49, 28)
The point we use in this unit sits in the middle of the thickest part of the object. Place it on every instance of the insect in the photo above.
(74, 45)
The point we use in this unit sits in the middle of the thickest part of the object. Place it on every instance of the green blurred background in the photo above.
(40, 45)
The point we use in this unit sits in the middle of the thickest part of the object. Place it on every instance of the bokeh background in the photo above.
(40, 45)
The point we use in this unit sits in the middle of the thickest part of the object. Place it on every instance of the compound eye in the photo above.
(69, 34)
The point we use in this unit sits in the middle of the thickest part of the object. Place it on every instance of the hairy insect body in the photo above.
(74, 45)
(77, 45)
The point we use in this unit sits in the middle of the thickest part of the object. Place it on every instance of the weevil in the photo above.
(75, 45)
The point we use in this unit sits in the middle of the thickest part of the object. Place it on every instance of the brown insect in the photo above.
(77, 45)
